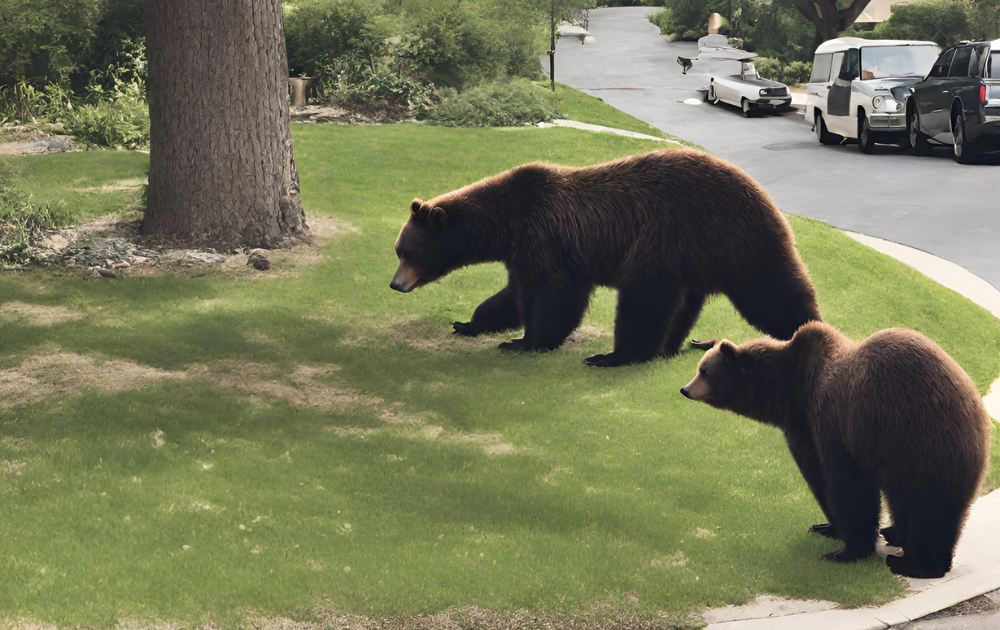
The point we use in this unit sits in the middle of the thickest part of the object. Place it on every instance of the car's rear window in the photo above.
(993, 65)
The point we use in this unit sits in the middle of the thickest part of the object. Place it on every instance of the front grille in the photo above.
(775, 91)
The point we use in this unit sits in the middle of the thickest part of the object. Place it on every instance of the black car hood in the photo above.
(899, 88)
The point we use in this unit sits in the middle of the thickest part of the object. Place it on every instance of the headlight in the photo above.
(763, 92)
(886, 104)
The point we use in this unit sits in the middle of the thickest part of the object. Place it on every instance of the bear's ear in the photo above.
(439, 217)
(417, 209)
(727, 349)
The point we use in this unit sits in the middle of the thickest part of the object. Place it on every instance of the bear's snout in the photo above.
(684, 391)
(406, 278)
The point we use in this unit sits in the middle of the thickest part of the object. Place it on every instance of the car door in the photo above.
(819, 84)
(958, 81)
(929, 100)
(839, 119)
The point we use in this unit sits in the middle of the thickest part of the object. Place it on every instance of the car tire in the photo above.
(917, 139)
(745, 105)
(824, 136)
(866, 138)
(713, 98)
(963, 150)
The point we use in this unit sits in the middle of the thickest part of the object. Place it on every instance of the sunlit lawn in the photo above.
(311, 440)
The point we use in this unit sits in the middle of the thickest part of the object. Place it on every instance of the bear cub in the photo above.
(666, 229)
(893, 413)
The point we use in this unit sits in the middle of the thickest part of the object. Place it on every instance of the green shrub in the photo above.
(123, 123)
(494, 104)
(358, 87)
(23, 103)
(941, 21)
(790, 74)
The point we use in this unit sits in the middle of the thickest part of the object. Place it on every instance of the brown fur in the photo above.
(665, 228)
(893, 413)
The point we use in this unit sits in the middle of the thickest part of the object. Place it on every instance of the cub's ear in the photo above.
(417, 210)
(727, 349)
(439, 217)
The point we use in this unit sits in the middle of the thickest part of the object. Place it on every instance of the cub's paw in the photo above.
(825, 529)
(466, 329)
(899, 565)
(846, 554)
(703, 345)
(514, 345)
(892, 536)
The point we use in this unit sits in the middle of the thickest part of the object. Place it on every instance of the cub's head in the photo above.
(427, 247)
(723, 379)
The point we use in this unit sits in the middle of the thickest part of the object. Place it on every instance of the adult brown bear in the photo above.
(893, 413)
(665, 228)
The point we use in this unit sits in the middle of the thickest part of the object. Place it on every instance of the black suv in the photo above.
(958, 104)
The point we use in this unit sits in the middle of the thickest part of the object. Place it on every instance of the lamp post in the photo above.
(552, 44)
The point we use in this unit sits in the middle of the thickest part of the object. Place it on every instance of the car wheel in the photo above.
(866, 139)
(918, 141)
(965, 152)
(713, 98)
(824, 136)
(746, 107)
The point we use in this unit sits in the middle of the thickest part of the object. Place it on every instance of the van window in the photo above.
(940, 67)
(960, 66)
(993, 65)
(853, 65)
(821, 69)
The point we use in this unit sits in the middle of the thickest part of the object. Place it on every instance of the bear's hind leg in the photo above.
(549, 317)
(683, 321)
(854, 503)
(931, 536)
(641, 320)
(495, 314)
(777, 311)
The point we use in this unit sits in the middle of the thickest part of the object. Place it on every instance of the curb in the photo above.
(977, 559)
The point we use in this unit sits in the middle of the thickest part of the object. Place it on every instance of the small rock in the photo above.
(257, 258)
(56, 242)
(106, 273)
(59, 143)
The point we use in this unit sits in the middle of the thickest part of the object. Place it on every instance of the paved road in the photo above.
(930, 203)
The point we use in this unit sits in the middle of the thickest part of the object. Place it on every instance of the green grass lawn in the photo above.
(577, 105)
(81, 187)
(253, 445)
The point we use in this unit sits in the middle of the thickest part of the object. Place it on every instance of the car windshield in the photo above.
(882, 62)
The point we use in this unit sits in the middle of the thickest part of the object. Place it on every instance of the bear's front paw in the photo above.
(703, 345)
(608, 360)
(825, 529)
(466, 329)
(514, 345)
(847, 554)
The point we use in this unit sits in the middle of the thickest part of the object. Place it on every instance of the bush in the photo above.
(357, 87)
(23, 103)
(941, 21)
(790, 74)
(494, 104)
(117, 124)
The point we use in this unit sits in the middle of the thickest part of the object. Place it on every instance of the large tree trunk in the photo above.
(221, 168)
(829, 20)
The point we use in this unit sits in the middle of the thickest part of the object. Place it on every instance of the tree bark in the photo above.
(221, 167)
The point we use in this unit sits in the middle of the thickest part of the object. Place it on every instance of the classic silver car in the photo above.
(746, 90)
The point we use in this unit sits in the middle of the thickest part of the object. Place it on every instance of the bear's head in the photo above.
(723, 379)
(427, 247)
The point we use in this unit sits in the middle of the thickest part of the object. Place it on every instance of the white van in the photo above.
(858, 88)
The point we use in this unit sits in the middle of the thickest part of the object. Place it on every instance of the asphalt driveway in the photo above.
(930, 203)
